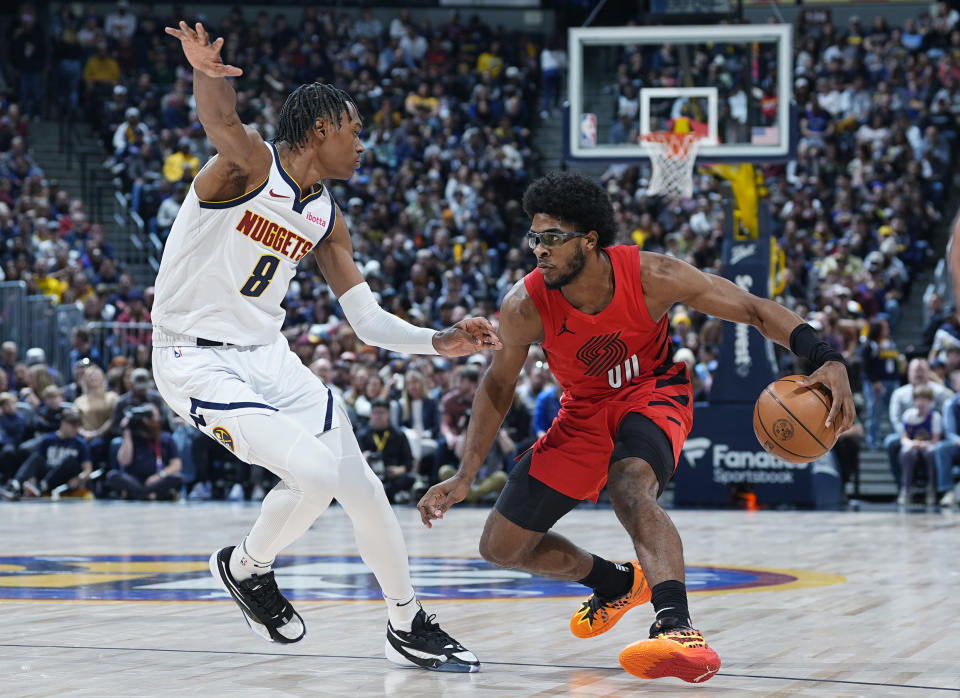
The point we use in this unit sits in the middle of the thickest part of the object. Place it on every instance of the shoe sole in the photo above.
(643, 596)
(256, 627)
(656, 659)
(394, 657)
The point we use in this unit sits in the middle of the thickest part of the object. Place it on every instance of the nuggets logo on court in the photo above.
(783, 429)
(223, 436)
(328, 578)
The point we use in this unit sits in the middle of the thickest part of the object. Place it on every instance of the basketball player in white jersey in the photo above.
(253, 212)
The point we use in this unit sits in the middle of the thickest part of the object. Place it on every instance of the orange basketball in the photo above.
(788, 420)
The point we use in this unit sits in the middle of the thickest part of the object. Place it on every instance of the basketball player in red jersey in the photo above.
(600, 314)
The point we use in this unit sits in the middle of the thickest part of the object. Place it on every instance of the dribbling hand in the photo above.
(442, 496)
(466, 337)
(833, 376)
(203, 55)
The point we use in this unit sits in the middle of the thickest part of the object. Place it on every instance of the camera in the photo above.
(137, 416)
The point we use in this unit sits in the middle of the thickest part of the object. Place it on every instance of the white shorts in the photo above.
(210, 386)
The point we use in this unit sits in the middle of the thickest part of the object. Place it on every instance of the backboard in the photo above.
(730, 83)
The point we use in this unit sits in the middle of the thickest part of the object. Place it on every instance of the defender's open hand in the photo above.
(201, 54)
(466, 337)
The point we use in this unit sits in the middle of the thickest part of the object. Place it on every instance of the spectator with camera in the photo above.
(141, 392)
(62, 458)
(50, 411)
(149, 461)
(388, 453)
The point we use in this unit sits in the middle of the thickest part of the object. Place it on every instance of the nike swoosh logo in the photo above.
(405, 603)
(278, 196)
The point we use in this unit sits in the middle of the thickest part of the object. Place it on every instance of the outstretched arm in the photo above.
(667, 280)
(376, 326)
(520, 326)
(242, 161)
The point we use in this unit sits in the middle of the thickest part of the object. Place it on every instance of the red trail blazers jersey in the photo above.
(609, 364)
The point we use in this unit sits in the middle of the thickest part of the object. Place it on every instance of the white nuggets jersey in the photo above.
(227, 264)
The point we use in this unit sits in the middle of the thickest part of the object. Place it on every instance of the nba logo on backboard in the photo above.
(588, 129)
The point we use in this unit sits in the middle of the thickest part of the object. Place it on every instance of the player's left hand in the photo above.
(466, 337)
(833, 376)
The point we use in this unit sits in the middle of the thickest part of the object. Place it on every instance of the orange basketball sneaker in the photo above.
(598, 614)
(671, 650)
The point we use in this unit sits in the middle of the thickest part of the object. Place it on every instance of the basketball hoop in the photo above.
(672, 156)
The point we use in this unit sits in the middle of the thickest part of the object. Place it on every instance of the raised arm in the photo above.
(242, 162)
(520, 326)
(667, 280)
(374, 325)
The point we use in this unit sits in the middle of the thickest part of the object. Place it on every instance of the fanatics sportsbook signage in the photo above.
(722, 458)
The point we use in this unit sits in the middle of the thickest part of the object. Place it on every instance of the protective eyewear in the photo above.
(550, 238)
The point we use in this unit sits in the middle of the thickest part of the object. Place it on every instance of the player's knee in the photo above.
(497, 551)
(633, 479)
(314, 480)
(358, 480)
(500, 547)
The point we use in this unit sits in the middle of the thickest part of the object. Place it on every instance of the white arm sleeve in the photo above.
(376, 326)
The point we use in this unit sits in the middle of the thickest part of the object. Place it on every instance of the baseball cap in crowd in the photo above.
(35, 355)
(355, 201)
(135, 295)
(131, 112)
(141, 378)
(476, 360)
(348, 356)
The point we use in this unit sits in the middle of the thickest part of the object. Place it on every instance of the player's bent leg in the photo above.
(674, 647)
(517, 535)
(307, 469)
(414, 639)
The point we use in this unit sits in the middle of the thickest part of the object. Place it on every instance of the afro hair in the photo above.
(574, 199)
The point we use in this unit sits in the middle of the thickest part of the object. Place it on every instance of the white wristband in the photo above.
(374, 325)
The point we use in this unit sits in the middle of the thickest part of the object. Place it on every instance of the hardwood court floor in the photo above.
(113, 599)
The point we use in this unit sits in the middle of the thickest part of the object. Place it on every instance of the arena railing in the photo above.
(114, 339)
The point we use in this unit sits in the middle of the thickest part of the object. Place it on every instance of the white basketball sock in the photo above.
(402, 611)
(243, 566)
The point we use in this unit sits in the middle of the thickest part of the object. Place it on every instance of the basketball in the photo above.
(788, 420)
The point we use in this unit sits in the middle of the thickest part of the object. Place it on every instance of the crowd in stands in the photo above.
(434, 212)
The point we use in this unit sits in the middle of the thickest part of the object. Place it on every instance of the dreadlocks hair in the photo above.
(575, 199)
(305, 105)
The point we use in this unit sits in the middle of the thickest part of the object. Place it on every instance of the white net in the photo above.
(672, 157)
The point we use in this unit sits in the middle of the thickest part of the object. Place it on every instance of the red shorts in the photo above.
(573, 457)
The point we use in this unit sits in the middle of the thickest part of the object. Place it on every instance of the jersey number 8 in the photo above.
(261, 277)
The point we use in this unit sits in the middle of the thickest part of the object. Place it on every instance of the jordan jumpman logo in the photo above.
(563, 328)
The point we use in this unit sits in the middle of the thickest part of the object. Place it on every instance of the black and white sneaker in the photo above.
(264, 608)
(427, 646)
